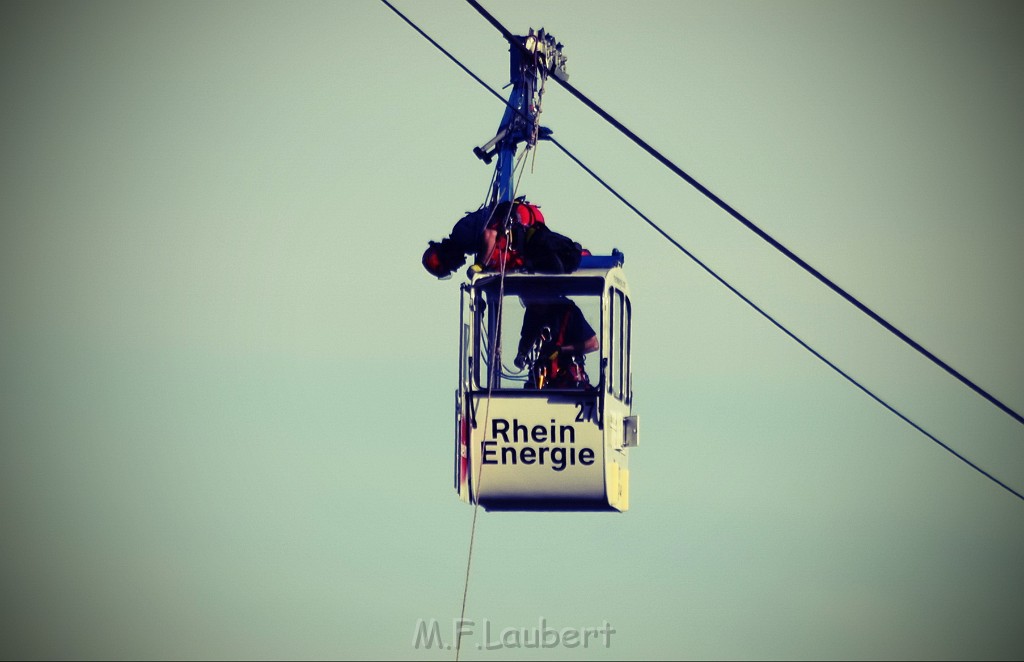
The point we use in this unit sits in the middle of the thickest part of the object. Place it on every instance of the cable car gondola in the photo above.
(527, 437)
(526, 444)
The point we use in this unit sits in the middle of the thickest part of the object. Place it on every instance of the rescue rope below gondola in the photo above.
(493, 354)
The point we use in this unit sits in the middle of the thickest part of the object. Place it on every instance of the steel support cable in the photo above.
(448, 55)
(751, 226)
(732, 289)
(782, 328)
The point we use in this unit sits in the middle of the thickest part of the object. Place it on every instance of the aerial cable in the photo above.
(782, 328)
(716, 276)
(750, 225)
(442, 49)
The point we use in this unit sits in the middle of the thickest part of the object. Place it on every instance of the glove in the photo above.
(520, 361)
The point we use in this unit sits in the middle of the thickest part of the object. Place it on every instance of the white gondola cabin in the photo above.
(524, 440)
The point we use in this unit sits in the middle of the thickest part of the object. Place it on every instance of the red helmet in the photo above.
(433, 263)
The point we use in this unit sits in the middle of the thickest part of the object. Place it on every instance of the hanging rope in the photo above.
(493, 374)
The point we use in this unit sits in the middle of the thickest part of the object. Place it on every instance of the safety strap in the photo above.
(561, 339)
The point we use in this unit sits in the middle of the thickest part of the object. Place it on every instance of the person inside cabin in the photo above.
(553, 342)
(509, 236)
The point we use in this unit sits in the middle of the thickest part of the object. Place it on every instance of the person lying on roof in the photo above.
(509, 236)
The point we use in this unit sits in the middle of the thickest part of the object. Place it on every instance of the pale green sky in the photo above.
(226, 383)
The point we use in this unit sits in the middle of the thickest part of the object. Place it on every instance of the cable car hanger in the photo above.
(537, 56)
